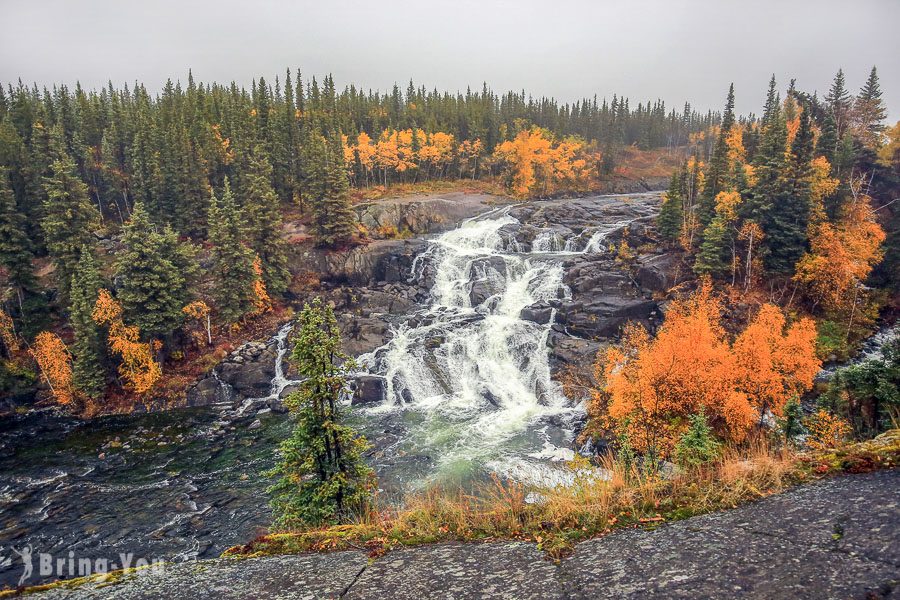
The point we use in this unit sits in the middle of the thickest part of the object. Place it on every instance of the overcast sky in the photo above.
(676, 50)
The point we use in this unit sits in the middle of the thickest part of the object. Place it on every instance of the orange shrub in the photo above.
(652, 385)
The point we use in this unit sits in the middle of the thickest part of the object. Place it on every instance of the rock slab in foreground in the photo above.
(839, 538)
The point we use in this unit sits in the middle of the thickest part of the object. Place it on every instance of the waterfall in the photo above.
(279, 381)
(470, 378)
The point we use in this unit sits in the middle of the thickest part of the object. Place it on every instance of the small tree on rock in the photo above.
(323, 478)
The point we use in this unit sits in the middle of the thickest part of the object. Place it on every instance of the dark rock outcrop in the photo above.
(245, 373)
(368, 390)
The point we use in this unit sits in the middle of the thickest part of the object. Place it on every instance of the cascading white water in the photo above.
(279, 381)
(548, 241)
(472, 378)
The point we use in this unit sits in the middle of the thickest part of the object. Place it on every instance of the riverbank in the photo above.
(836, 538)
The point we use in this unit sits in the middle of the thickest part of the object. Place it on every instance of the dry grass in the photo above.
(556, 518)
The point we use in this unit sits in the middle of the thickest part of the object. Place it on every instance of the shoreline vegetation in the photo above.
(599, 501)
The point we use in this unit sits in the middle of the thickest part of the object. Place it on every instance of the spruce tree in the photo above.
(789, 215)
(870, 112)
(15, 247)
(88, 375)
(712, 259)
(839, 103)
(333, 214)
(69, 216)
(769, 164)
(154, 288)
(671, 213)
(262, 214)
(323, 476)
(717, 175)
(232, 270)
(828, 140)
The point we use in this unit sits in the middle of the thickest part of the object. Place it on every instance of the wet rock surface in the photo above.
(837, 538)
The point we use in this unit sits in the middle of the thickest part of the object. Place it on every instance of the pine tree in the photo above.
(263, 222)
(717, 174)
(870, 112)
(154, 288)
(88, 374)
(671, 213)
(712, 259)
(15, 247)
(233, 273)
(323, 476)
(69, 216)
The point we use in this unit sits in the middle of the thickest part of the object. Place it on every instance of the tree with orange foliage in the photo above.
(841, 256)
(138, 368)
(821, 186)
(774, 364)
(55, 363)
(535, 165)
(651, 386)
(262, 303)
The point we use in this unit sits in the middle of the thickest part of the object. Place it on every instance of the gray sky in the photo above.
(676, 50)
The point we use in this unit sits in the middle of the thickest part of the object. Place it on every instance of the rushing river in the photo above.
(468, 392)
(466, 376)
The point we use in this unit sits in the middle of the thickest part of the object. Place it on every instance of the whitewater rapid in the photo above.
(469, 376)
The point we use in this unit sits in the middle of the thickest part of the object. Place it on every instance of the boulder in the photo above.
(207, 391)
(368, 390)
(659, 273)
(537, 314)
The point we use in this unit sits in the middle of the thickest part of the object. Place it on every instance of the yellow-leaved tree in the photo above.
(138, 368)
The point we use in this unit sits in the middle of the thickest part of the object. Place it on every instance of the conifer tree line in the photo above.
(796, 201)
(125, 192)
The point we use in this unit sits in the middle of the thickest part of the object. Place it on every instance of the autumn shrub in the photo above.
(387, 232)
(650, 386)
(826, 430)
(138, 366)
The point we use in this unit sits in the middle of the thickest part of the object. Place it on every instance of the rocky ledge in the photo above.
(838, 538)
